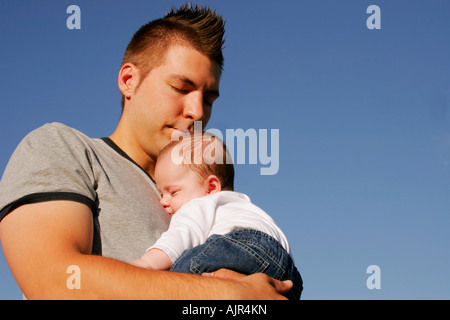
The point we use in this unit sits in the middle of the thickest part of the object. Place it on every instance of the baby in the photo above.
(214, 227)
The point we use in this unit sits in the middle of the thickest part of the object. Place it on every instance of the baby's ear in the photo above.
(213, 184)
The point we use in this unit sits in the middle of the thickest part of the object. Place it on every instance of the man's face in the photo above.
(172, 96)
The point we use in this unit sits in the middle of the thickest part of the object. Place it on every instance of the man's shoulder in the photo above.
(50, 144)
(56, 136)
(55, 130)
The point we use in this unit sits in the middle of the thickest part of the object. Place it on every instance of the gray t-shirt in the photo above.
(55, 162)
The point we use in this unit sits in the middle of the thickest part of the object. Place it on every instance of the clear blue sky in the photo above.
(363, 118)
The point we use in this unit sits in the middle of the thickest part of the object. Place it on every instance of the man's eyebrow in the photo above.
(182, 78)
(192, 83)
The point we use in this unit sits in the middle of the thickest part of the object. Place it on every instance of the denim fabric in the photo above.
(245, 251)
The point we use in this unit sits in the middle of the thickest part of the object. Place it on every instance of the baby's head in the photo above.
(196, 165)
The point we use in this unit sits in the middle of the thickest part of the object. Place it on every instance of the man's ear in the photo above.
(213, 184)
(128, 79)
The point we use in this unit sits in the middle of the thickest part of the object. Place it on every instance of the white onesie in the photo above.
(219, 213)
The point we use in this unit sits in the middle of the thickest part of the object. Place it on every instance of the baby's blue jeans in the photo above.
(246, 251)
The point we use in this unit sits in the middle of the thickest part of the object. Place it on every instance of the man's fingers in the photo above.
(224, 274)
(283, 286)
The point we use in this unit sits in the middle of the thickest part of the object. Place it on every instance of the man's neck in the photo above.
(128, 144)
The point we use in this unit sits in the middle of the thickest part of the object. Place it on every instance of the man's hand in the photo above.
(260, 284)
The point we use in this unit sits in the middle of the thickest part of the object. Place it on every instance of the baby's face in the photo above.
(177, 184)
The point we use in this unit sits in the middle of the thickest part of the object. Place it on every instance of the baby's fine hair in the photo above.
(204, 154)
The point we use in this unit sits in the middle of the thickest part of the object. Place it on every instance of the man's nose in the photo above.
(193, 108)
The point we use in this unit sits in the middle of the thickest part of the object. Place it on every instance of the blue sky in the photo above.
(363, 118)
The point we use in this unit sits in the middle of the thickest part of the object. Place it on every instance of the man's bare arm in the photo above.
(40, 241)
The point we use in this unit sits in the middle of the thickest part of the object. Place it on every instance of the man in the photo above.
(69, 200)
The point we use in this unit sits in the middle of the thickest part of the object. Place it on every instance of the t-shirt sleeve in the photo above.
(50, 163)
(189, 227)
